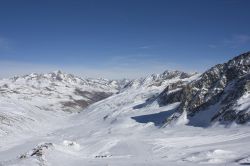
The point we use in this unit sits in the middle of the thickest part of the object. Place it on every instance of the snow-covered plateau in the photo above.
(173, 118)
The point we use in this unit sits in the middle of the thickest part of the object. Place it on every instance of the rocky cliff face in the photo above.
(224, 84)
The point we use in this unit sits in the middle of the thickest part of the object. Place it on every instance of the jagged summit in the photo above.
(125, 124)
(57, 75)
(157, 80)
(224, 85)
(241, 60)
(168, 74)
(57, 89)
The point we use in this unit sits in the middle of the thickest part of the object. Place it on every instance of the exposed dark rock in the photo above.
(38, 151)
(223, 83)
(75, 103)
(171, 93)
(91, 97)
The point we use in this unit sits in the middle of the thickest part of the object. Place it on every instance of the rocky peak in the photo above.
(57, 89)
(168, 74)
(211, 87)
(157, 80)
(240, 61)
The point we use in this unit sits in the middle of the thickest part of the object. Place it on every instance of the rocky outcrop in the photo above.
(38, 153)
(224, 84)
(230, 107)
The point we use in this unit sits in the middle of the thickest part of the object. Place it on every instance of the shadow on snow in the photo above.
(158, 118)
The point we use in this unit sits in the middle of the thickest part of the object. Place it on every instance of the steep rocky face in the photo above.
(235, 103)
(224, 84)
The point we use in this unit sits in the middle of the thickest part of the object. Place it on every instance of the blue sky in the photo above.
(120, 38)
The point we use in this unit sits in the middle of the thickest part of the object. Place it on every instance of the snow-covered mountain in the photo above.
(118, 113)
(136, 122)
(38, 98)
(220, 94)
(158, 80)
(57, 90)
(50, 93)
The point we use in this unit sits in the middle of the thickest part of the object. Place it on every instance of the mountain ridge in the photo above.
(211, 87)
(161, 119)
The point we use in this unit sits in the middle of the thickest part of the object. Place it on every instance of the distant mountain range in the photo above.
(58, 90)
(221, 94)
(173, 117)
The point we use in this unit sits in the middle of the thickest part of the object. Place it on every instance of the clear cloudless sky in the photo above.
(120, 38)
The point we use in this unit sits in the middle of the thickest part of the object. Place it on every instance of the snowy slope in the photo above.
(126, 128)
(57, 90)
(29, 101)
(115, 131)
